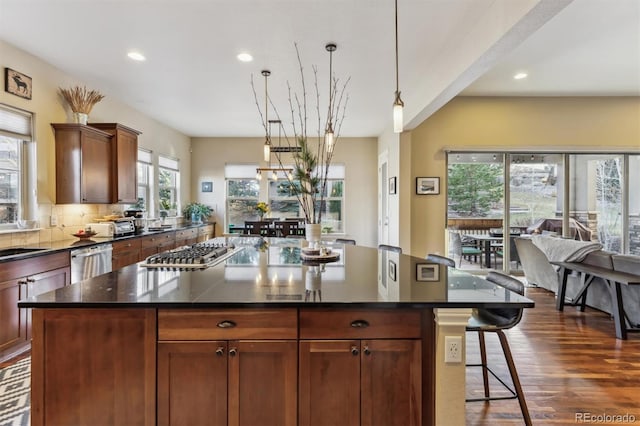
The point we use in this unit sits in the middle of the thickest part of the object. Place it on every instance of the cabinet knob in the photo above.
(226, 324)
(31, 280)
(359, 324)
(354, 351)
(220, 351)
(22, 282)
(233, 352)
(366, 350)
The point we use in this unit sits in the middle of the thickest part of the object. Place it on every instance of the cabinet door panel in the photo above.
(263, 383)
(96, 169)
(329, 383)
(12, 319)
(391, 384)
(192, 383)
(126, 182)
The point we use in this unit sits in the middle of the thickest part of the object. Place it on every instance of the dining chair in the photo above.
(395, 249)
(442, 260)
(496, 320)
(458, 249)
(346, 241)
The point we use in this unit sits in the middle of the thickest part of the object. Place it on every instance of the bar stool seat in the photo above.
(496, 320)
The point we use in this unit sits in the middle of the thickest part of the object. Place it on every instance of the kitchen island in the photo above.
(259, 338)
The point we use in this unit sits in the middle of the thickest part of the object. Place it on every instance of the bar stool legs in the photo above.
(515, 393)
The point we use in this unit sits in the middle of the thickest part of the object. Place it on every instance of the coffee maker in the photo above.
(139, 221)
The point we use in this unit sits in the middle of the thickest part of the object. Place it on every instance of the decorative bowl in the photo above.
(85, 235)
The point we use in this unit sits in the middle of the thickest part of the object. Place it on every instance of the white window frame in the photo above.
(171, 165)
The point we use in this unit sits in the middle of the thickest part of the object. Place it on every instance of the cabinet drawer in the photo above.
(132, 244)
(158, 240)
(226, 324)
(359, 324)
(186, 234)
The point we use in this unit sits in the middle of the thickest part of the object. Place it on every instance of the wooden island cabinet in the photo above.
(241, 344)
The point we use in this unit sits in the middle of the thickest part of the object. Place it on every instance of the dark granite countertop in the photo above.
(272, 274)
(61, 245)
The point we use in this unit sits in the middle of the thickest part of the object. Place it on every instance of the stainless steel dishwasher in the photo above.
(91, 261)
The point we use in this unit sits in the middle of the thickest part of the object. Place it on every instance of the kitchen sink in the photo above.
(17, 250)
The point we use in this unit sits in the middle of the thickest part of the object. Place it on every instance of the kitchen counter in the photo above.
(274, 276)
(258, 338)
(60, 245)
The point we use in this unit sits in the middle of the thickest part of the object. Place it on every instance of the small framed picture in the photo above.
(392, 185)
(427, 185)
(392, 270)
(427, 272)
(207, 186)
(17, 83)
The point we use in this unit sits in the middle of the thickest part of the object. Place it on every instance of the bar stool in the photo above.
(390, 248)
(442, 260)
(496, 320)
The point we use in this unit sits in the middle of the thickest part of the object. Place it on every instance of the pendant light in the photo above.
(397, 104)
(267, 140)
(329, 137)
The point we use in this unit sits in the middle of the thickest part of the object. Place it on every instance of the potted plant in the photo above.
(196, 212)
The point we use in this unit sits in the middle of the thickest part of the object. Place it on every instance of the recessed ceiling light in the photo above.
(520, 76)
(136, 56)
(244, 57)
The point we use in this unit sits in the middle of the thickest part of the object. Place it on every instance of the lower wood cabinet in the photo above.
(352, 382)
(20, 279)
(125, 253)
(227, 383)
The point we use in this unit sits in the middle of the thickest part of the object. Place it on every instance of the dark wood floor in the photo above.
(569, 362)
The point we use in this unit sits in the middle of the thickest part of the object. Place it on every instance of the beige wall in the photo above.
(48, 107)
(536, 124)
(359, 155)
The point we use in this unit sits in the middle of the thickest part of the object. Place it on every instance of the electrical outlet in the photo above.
(453, 349)
(53, 220)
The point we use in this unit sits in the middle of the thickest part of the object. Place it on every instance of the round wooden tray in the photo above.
(331, 257)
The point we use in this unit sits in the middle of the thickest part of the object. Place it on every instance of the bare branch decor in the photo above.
(311, 158)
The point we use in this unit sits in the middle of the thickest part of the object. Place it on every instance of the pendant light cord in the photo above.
(397, 78)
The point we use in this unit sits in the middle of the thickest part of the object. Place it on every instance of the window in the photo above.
(17, 153)
(168, 186)
(243, 193)
(145, 181)
(284, 204)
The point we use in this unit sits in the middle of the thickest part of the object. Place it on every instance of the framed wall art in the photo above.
(17, 83)
(427, 185)
(207, 187)
(392, 185)
(427, 272)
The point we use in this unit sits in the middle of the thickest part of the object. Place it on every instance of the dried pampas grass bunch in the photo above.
(80, 99)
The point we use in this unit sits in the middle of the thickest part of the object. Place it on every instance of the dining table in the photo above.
(485, 241)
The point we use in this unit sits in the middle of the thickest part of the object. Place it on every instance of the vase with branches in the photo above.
(311, 157)
(81, 101)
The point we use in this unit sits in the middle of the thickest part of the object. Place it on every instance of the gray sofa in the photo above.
(538, 271)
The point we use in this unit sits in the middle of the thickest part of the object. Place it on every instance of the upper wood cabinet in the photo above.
(83, 160)
(124, 157)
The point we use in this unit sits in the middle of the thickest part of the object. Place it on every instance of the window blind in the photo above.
(16, 123)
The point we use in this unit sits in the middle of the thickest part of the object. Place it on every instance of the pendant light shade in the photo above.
(329, 136)
(398, 105)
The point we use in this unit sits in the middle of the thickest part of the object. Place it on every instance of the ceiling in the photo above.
(192, 81)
